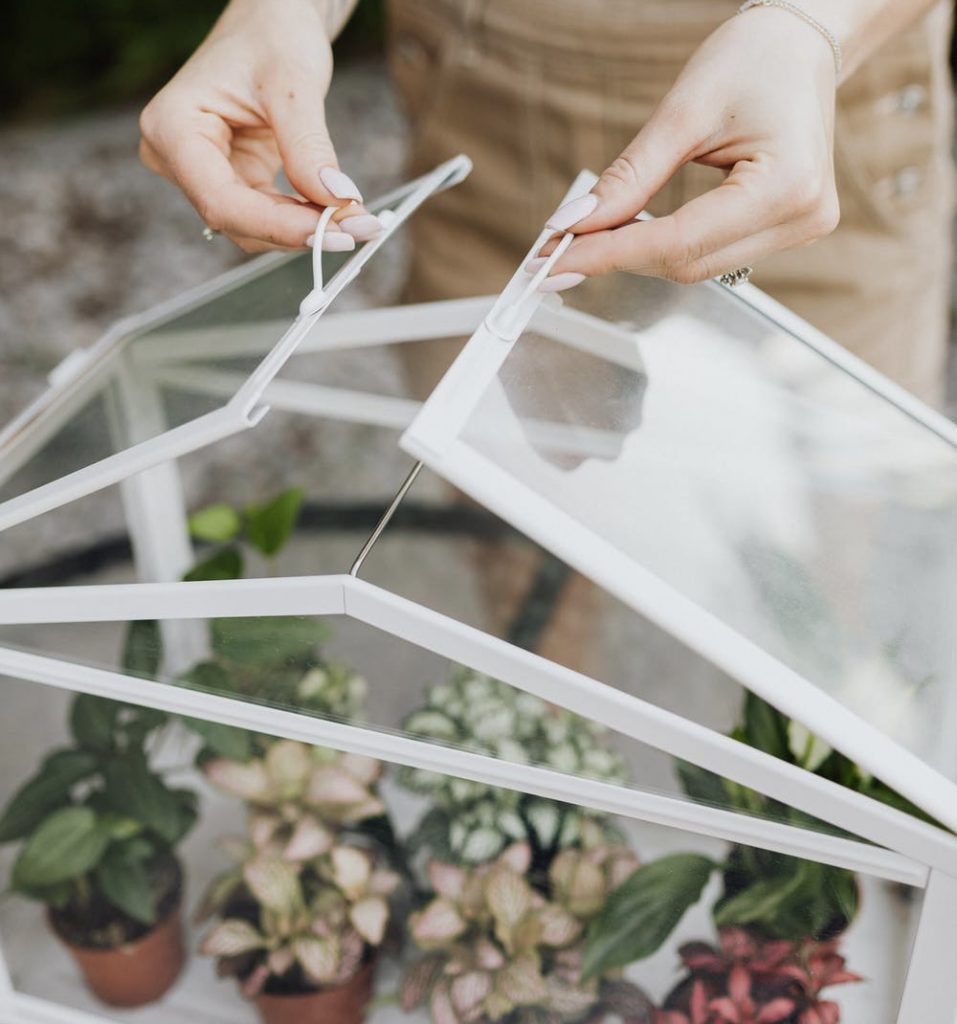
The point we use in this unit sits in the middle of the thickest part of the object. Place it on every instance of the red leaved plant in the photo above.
(750, 980)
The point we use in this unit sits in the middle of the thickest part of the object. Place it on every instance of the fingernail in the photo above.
(339, 184)
(571, 213)
(362, 227)
(535, 264)
(337, 241)
(561, 282)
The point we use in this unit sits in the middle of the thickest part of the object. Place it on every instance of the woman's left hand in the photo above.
(756, 100)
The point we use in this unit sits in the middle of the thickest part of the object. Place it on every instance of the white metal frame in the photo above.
(893, 845)
(436, 438)
(82, 376)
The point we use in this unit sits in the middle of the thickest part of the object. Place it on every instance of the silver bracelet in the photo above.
(786, 5)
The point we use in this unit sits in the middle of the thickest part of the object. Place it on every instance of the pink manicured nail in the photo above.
(337, 241)
(535, 264)
(362, 227)
(561, 282)
(571, 213)
(339, 184)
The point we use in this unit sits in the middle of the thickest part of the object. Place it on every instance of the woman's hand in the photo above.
(250, 101)
(757, 101)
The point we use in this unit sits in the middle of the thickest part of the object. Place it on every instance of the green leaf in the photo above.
(223, 740)
(66, 845)
(267, 641)
(269, 526)
(133, 790)
(760, 903)
(45, 792)
(766, 728)
(225, 564)
(125, 881)
(217, 523)
(93, 722)
(119, 827)
(143, 650)
(702, 786)
(208, 677)
(642, 912)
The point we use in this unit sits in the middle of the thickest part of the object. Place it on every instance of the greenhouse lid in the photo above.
(258, 309)
(740, 480)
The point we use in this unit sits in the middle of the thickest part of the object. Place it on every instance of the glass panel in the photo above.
(745, 470)
(189, 364)
(343, 670)
(573, 888)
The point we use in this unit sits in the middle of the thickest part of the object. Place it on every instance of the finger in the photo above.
(625, 187)
(228, 204)
(296, 112)
(746, 204)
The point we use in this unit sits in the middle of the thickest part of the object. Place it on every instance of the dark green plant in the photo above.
(98, 823)
(775, 896)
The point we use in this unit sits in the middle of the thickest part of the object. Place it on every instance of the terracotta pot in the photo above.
(343, 1005)
(135, 974)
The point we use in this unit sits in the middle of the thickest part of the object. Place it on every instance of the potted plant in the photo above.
(497, 949)
(305, 908)
(753, 979)
(99, 828)
(469, 822)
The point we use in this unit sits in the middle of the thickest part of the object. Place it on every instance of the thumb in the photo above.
(627, 185)
(298, 119)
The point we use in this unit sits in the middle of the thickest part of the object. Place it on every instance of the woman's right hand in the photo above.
(249, 102)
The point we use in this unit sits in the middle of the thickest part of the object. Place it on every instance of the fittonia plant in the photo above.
(471, 822)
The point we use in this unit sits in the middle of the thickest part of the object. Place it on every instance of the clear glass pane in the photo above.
(866, 924)
(742, 468)
(346, 671)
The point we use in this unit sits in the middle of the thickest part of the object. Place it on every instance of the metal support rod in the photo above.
(386, 518)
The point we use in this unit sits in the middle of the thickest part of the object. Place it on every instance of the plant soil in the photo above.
(97, 924)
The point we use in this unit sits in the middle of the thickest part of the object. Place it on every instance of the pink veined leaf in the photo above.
(518, 857)
(351, 870)
(319, 957)
(281, 960)
(509, 898)
(253, 985)
(521, 982)
(274, 883)
(330, 784)
(669, 1017)
(438, 924)
(369, 918)
(418, 982)
(776, 1011)
(488, 956)
(262, 827)
(469, 990)
(247, 781)
(310, 839)
(230, 938)
(441, 1006)
(366, 769)
(288, 764)
(371, 808)
(559, 928)
(447, 880)
(384, 883)
(351, 955)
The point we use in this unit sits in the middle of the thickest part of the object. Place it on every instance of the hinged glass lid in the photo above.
(258, 311)
(741, 481)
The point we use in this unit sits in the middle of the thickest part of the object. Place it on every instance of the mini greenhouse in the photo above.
(758, 825)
